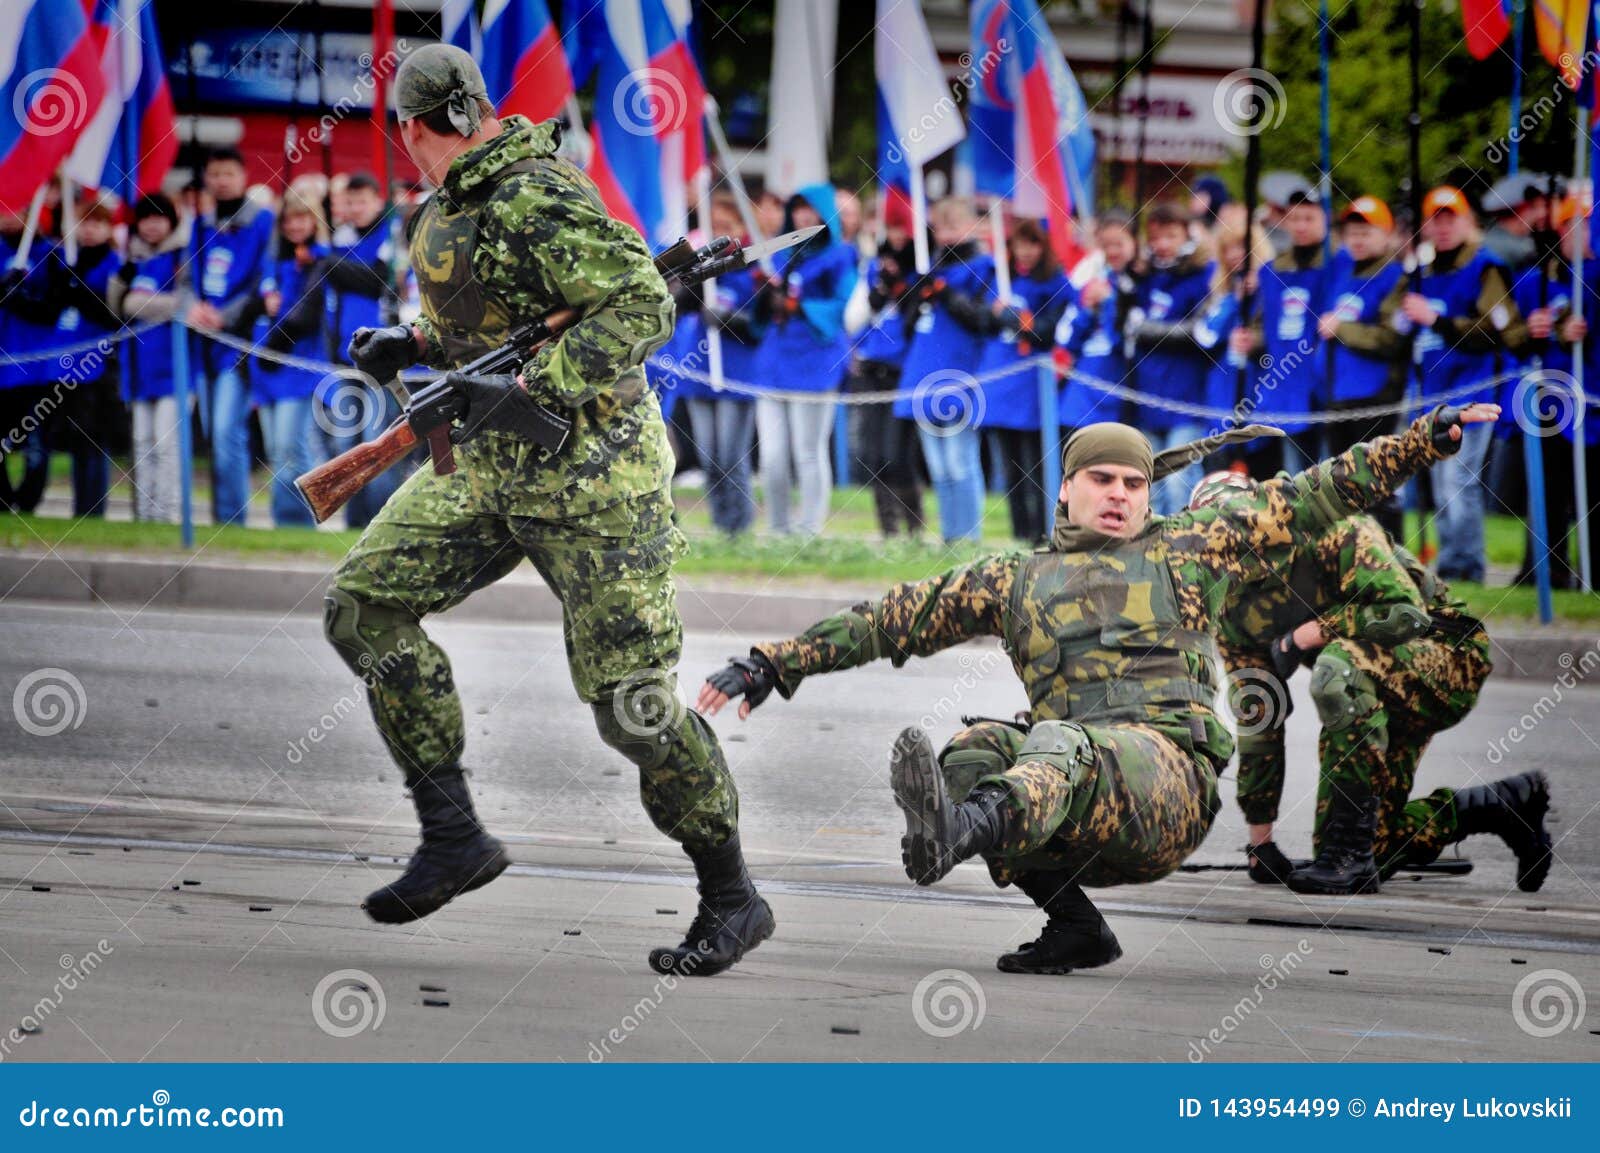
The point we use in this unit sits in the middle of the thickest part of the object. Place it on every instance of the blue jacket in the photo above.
(1093, 339)
(297, 329)
(741, 334)
(806, 349)
(1358, 375)
(1555, 356)
(1174, 369)
(1291, 298)
(939, 341)
(19, 335)
(358, 283)
(884, 338)
(1454, 294)
(1211, 334)
(227, 261)
(147, 358)
(1012, 401)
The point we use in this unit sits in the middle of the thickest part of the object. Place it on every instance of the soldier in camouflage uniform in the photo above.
(1394, 658)
(1110, 629)
(514, 231)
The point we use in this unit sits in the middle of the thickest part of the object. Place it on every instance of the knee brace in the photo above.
(964, 766)
(1344, 695)
(642, 718)
(372, 639)
(1062, 745)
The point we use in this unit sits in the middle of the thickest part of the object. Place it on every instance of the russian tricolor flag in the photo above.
(1032, 140)
(918, 119)
(649, 138)
(53, 85)
(132, 140)
(458, 25)
(524, 66)
(1487, 24)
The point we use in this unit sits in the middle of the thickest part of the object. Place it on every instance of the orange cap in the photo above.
(1445, 198)
(1370, 209)
(1566, 208)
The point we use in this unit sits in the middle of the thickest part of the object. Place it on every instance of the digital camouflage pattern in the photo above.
(596, 521)
(1091, 612)
(1406, 662)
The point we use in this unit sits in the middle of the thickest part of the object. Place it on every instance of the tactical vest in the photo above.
(1096, 636)
(470, 318)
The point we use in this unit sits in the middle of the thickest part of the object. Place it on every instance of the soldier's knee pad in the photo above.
(964, 766)
(1060, 744)
(642, 717)
(370, 638)
(1343, 694)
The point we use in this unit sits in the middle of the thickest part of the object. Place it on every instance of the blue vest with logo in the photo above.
(1177, 373)
(1357, 299)
(1012, 401)
(1455, 294)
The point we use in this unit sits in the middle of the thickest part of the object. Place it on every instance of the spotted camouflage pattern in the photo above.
(1416, 689)
(597, 521)
(1131, 814)
(1146, 762)
(1393, 688)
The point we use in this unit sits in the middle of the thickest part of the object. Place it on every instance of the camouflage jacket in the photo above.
(1207, 552)
(1358, 584)
(514, 233)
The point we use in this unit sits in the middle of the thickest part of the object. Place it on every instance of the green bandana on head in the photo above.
(1107, 443)
(441, 75)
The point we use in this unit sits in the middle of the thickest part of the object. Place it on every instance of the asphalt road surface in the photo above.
(194, 805)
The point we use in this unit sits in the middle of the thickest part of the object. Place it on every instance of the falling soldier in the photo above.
(1110, 629)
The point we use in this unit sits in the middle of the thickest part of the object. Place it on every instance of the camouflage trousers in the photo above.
(439, 539)
(1112, 804)
(1379, 707)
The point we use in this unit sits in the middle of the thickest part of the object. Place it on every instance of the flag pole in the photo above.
(31, 228)
(997, 241)
(1518, 19)
(747, 212)
(919, 216)
(709, 288)
(1580, 479)
(1252, 194)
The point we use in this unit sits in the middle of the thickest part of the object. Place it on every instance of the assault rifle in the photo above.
(434, 408)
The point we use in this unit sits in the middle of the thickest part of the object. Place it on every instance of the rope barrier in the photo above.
(951, 385)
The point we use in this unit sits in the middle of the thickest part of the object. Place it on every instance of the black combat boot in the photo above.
(732, 918)
(455, 857)
(1513, 809)
(1345, 865)
(1076, 936)
(940, 835)
(1269, 865)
